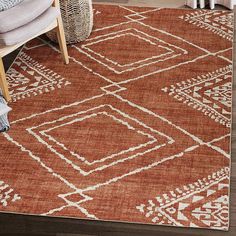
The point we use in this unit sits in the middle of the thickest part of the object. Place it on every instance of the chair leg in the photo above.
(62, 40)
(202, 3)
(3, 82)
(212, 4)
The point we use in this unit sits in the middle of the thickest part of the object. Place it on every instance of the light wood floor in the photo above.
(28, 225)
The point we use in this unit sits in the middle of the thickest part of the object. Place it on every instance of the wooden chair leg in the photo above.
(62, 40)
(3, 82)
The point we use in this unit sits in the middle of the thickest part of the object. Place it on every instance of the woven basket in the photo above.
(77, 17)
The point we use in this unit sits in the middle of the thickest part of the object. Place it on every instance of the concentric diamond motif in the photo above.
(89, 126)
(88, 156)
(156, 50)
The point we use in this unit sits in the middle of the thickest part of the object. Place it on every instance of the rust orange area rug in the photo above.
(135, 129)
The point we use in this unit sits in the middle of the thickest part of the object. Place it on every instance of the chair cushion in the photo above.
(6, 4)
(31, 29)
(22, 14)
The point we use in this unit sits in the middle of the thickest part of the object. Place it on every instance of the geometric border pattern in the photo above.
(7, 194)
(220, 26)
(180, 92)
(164, 207)
(45, 80)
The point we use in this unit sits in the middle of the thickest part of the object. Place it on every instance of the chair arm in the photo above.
(56, 3)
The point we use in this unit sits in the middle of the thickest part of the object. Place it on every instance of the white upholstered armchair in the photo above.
(25, 21)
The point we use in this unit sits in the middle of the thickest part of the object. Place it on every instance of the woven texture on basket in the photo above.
(6, 4)
(77, 17)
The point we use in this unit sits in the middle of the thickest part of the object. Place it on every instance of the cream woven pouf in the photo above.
(77, 17)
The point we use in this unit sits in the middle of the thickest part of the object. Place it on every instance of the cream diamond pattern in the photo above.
(170, 50)
(152, 144)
